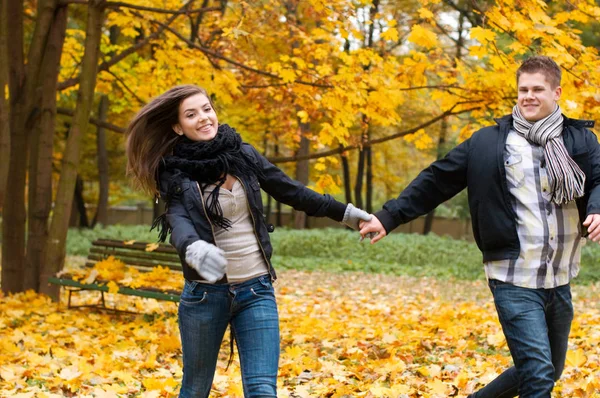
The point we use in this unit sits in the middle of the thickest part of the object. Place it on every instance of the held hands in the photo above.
(372, 229)
(207, 259)
(592, 222)
(354, 215)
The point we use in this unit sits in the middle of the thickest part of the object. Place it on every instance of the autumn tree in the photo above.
(373, 86)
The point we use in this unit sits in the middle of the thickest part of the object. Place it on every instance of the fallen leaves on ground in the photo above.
(115, 273)
(342, 335)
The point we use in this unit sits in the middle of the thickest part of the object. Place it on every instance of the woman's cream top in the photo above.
(240, 244)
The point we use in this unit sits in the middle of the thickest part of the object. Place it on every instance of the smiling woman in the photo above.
(210, 181)
(197, 118)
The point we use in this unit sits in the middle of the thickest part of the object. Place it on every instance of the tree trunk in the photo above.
(360, 171)
(428, 225)
(369, 159)
(64, 195)
(23, 82)
(277, 203)
(302, 174)
(346, 169)
(40, 168)
(101, 215)
(4, 130)
(80, 204)
(440, 152)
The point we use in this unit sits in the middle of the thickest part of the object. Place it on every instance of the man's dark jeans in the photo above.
(536, 324)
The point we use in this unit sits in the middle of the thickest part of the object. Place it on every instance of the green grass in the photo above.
(337, 250)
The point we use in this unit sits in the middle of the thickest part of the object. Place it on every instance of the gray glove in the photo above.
(353, 215)
(207, 259)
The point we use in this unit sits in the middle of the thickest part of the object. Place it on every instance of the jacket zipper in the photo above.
(254, 225)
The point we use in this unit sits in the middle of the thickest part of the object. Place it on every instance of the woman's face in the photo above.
(197, 119)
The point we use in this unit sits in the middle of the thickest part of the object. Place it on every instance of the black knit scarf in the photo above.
(207, 162)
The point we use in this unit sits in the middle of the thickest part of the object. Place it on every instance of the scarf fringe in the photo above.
(214, 207)
(162, 226)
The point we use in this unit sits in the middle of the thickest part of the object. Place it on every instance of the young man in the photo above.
(533, 183)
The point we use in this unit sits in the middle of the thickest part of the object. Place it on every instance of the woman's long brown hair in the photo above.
(150, 135)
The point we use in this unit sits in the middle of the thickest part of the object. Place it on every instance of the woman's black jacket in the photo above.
(187, 217)
(478, 165)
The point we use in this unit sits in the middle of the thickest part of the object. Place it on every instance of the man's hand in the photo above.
(370, 227)
(592, 222)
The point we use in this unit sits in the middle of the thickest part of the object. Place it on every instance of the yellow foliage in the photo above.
(150, 247)
(341, 335)
(423, 37)
(482, 35)
(337, 87)
(390, 34)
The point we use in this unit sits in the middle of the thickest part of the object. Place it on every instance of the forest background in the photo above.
(351, 97)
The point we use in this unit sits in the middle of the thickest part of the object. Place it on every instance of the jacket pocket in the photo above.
(475, 224)
(256, 194)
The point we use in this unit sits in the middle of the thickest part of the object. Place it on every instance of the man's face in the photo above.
(537, 99)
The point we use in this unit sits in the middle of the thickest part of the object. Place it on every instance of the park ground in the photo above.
(343, 334)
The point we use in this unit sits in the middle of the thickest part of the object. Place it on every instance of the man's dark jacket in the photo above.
(186, 212)
(478, 165)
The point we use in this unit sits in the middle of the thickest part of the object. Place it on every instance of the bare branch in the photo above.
(121, 4)
(249, 86)
(120, 56)
(93, 120)
(233, 62)
(341, 149)
(126, 87)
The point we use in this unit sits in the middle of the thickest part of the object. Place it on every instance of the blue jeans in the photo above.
(536, 324)
(204, 313)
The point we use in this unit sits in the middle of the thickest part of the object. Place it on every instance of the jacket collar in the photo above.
(579, 123)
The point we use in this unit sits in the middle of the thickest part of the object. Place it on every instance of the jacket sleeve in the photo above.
(178, 219)
(183, 232)
(293, 193)
(593, 206)
(437, 183)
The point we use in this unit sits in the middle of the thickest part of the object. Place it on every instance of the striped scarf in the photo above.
(566, 178)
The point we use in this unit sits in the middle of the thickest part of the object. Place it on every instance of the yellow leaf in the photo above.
(69, 373)
(482, 35)
(497, 340)
(112, 287)
(438, 387)
(576, 358)
(293, 351)
(303, 116)
(129, 242)
(423, 37)
(150, 247)
(390, 34)
(425, 13)
(287, 75)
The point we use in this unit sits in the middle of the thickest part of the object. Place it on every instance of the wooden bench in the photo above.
(132, 254)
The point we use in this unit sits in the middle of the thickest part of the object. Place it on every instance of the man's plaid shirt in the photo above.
(549, 234)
